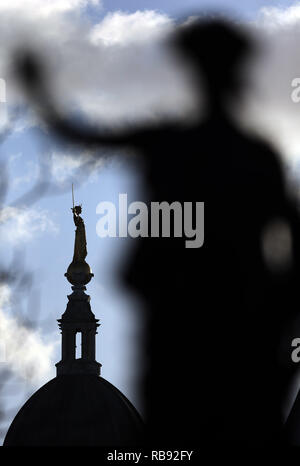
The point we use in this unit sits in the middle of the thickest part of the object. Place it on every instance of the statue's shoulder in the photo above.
(78, 220)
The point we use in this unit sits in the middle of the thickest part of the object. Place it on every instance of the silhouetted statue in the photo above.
(217, 313)
(80, 251)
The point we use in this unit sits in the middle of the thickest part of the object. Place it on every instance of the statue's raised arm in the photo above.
(31, 74)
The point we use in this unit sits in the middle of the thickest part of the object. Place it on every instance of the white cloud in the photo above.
(30, 172)
(269, 108)
(277, 17)
(114, 70)
(22, 348)
(64, 166)
(118, 70)
(123, 29)
(18, 225)
(45, 8)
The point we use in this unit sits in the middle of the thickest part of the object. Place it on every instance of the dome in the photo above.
(81, 410)
(78, 407)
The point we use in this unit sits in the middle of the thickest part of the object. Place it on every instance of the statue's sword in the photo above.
(73, 196)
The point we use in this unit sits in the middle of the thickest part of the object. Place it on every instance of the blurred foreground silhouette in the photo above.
(217, 313)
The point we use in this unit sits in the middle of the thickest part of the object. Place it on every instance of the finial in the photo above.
(73, 196)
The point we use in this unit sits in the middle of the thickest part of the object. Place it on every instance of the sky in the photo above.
(106, 64)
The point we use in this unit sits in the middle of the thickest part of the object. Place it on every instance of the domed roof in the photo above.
(75, 409)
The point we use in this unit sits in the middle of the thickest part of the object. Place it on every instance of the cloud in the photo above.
(64, 165)
(123, 29)
(29, 174)
(18, 225)
(125, 73)
(22, 349)
(69, 166)
(118, 71)
(272, 16)
(269, 108)
(45, 8)
(115, 70)
(64, 168)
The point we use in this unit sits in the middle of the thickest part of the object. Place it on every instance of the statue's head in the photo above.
(218, 48)
(78, 209)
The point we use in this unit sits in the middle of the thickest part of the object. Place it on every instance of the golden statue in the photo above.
(80, 251)
(79, 272)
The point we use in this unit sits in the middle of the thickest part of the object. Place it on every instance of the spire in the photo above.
(78, 317)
